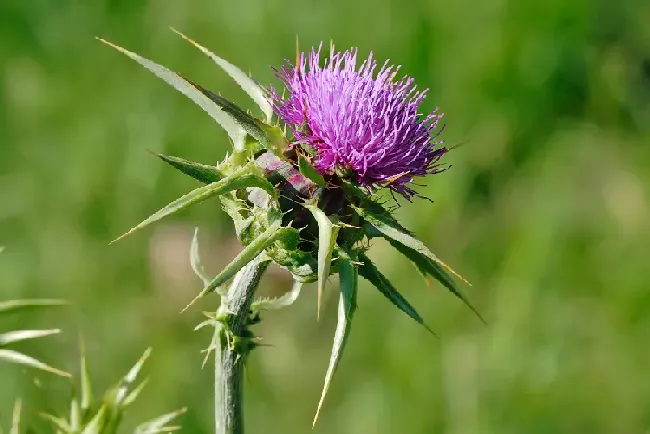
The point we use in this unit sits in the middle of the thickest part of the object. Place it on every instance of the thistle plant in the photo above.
(302, 187)
(10, 338)
(85, 416)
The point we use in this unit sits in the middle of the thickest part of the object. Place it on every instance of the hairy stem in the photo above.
(234, 339)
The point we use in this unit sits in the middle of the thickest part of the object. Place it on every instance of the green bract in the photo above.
(285, 211)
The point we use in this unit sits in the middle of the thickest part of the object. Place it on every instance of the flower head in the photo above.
(359, 122)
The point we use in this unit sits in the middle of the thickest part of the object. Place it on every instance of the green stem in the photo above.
(234, 339)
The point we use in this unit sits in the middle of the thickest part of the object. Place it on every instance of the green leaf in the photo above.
(17, 305)
(434, 269)
(195, 259)
(133, 395)
(75, 415)
(95, 424)
(414, 249)
(327, 233)
(391, 230)
(239, 180)
(159, 424)
(250, 252)
(128, 380)
(256, 129)
(369, 272)
(235, 132)
(308, 171)
(86, 385)
(15, 417)
(22, 335)
(249, 85)
(201, 172)
(348, 276)
(278, 302)
(22, 359)
(59, 422)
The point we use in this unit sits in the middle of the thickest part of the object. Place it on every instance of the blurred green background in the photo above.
(545, 210)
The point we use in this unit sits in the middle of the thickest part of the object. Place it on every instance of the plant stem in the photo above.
(233, 338)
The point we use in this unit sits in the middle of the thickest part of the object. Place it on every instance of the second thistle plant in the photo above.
(303, 194)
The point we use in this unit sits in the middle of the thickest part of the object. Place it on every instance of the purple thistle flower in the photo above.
(358, 122)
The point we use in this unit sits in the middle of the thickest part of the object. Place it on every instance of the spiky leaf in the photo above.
(15, 417)
(95, 424)
(22, 335)
(274, 233)
(256, 129)
(414, 249)
(122, 390)
(369, 272)
(234, 130)
(238, 180)
(22, 359)
(278, 302)
(195, 259)
(86, 385)
(435, 270)
(58, 422)
(18, 305)
(249, 85)
(327, 233)
(201, 172)
(159, 424)
(348, 276)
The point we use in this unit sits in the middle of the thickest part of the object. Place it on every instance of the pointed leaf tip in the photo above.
(22, 359)
(348, 275)
(236, 134)
(327, 233)
(382, 223)
(434, 269)
(15, 417)
(201, 172)
(254, 90)
(238, 180)
(369, 271)
(22, 335)
(250, 252)
(195, 259)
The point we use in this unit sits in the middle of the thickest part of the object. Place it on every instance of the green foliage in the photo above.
(12, 337)
(349, 282)
(400, 238)
(85, 416)
(368, 271)
(327, 234)
(201, 172)
(187, 88)
(249, 85)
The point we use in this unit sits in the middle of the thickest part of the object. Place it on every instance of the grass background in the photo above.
(545, 210)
